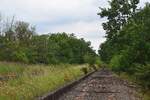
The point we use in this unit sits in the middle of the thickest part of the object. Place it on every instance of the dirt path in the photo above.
(102, 85)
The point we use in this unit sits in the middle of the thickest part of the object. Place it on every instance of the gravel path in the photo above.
(102, 85)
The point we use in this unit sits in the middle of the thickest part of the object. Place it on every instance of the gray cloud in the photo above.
(72, 16)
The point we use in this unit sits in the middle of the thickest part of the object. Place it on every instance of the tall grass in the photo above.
(144, 96)
(32, 81)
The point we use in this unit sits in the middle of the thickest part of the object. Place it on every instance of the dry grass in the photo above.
(25, 82)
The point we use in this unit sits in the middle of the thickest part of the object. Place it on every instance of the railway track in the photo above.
(100, 85)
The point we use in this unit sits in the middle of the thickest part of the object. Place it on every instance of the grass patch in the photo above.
(6, 67)
(146, 95)
(35, 80)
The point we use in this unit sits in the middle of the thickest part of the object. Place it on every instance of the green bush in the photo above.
(143, 76)
(90, 59)
(115, 63)
(84, 70)
(20, 56)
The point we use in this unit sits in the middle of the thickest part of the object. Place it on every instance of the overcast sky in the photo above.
(71, 16)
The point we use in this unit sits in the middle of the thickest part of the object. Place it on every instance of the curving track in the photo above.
(102, 85)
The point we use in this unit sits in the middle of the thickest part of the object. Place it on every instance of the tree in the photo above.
(117, 15)
(130, 52)
(20, 43)
(23, 31)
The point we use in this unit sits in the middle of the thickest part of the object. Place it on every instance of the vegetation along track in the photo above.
(101, 85)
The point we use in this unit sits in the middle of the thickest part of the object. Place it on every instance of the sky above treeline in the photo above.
(51, 16)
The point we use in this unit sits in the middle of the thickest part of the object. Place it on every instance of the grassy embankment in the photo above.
(144, 94)
(25, 82)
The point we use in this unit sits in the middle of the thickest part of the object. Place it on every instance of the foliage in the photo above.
(117, 15)
(127, 49)
(90, 59)
(84, 70)
(20, 43)
(143, 74)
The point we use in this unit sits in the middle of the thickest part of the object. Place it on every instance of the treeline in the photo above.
(20, 43)
(127, 48)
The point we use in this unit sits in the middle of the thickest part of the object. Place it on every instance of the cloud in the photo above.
(142, 3)
(89, 30)
(72, 16)
(92, 31)
(49, 10)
